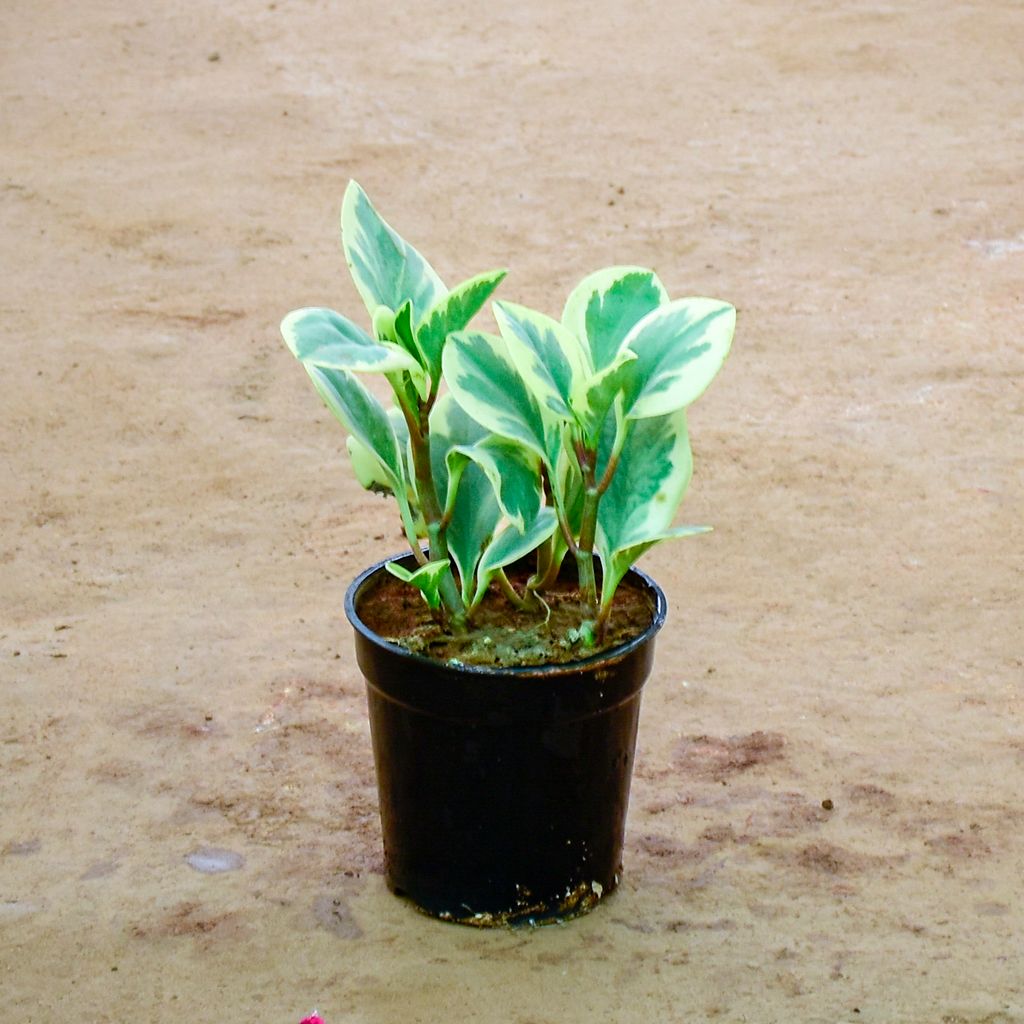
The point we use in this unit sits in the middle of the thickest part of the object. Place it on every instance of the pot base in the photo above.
(579, 901)
(503, 792)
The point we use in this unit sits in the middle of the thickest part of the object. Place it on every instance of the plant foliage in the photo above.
(557, 438)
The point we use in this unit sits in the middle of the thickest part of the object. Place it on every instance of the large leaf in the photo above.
(513, 471)
(652, 476)
(509, 546)
(453, 312)
(615, 567)
(549, 357)
(604, 307)
(361, 415)
(325, 338)
(385, 268)
(475, 511)
(679, 347)
(487, 384)
(637, 510)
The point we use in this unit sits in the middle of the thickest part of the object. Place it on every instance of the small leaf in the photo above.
(591, 404)
(325, 338)
(509, 546)
(369, 470)
(404, 334)
(486, 383)
(604, 307)
(383, 321)
(453, 312)
(386, 269)
(426, 578)
(679, 347)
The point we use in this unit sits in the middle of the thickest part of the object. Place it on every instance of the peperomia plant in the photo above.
(554, 438)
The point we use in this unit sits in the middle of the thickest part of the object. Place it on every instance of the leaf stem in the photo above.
(509, 591)
(430, 506)
(587, 457)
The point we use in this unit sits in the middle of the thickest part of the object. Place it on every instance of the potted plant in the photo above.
(504, 654)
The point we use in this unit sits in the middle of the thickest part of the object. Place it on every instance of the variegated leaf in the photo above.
(549, 358)
(475, 511)
(652, 476)
(514, 473)
(568, 488)
(386, 269)
(369, 470)
(383, 320)
(591, 403)
(361, 415)
(510, 545)
(405, 336)
(680, 347)
(372, 474)
(622, 560)
(487, 384)
(426, 578)
(604, 307)
(453, 312)
(325, 338)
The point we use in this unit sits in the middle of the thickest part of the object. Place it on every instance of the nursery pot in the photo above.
(503, 791)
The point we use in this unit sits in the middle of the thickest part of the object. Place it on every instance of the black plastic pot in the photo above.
(503, 792)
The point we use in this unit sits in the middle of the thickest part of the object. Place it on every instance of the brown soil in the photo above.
(179, 523)
(500, 635)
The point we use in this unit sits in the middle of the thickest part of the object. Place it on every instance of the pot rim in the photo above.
(613, 654)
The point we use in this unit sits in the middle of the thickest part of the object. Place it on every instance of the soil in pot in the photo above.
(501, 635)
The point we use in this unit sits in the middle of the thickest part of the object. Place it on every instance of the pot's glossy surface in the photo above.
(503, 792)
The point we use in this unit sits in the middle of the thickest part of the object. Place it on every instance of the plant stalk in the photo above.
(433, 516)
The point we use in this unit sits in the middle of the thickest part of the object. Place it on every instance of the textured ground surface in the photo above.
(178, 523)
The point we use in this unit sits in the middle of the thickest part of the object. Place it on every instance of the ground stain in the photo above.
(211, 860)
(334, 914)
(718, 757)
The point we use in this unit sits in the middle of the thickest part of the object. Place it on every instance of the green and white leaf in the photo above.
(679, 347)
(514, 473)
(325, 338)
(592, 404)
(549, 358)
(486, 383)
(383, 320)
(385, 268)
(453, 312)
(645, 493)
(655, 466)
(372, 474)
(426, 578)
(369, 470)
(510, 545)
(620, 563)
(405, 336)
(475, 513)
(567, 488)
(361, 415)
(605, 306)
